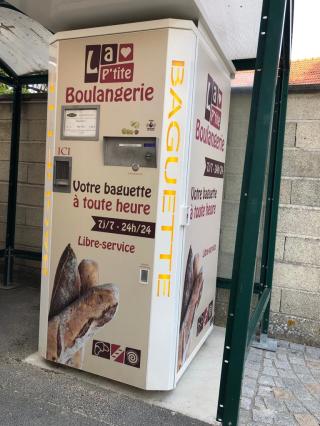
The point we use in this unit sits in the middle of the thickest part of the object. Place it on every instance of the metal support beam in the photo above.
(244, 64)
(7, 80)
(27, 254)
(262, 105)
(13, 182)
(226, 283)
(33, 79)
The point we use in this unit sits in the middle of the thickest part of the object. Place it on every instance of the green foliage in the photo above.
(4, 89)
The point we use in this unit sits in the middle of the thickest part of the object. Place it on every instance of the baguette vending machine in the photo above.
(136, 141)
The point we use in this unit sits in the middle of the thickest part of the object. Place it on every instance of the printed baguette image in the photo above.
(79, 307)
(192, 290)
(66, 287)
(75, 325)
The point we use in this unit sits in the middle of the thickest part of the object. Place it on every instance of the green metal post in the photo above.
(279, 144)
(262, 105)
(276, 193)
(13, 184)
(269, 194)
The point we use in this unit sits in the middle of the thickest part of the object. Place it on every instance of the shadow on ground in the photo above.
(32, 396)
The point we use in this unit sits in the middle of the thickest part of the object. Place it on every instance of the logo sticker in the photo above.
(101, 349)
(109, 63)
(132, 357)
(151, 125)
(213, 103)
(117, 353)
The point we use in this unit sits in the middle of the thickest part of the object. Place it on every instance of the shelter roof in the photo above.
(23, 43)
(234, 23)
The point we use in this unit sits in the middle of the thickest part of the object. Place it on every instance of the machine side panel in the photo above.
(108, 112)
(205, 190)
(48, 201)
(171, 216)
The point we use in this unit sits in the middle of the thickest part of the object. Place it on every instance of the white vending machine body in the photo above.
(137, 124)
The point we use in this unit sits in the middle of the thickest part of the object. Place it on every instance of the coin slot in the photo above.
(144, 276)
(62, 174)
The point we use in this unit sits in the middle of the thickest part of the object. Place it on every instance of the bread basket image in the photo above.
(79, 307)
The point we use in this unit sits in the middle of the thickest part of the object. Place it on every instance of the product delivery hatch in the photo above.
(137, 130)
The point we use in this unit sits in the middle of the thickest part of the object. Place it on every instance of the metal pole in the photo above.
(279, 142)
(262, 105)
(276, 192)
(13, 183)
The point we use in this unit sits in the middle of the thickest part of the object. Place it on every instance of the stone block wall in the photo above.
(295, 301)
(296, 292)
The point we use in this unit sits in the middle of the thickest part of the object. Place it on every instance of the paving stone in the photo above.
(297, 347)
(302, 394)
(253, 374)
(313, 352)
(263, 415)
(314, 364)
(283, 344)
(249, 382)
(282, 356)
(316, 374)
(313, 406)
(295, 406)
(282, 387)
(245, 403)
(287, 374)
(270, 371)
(244, 417)
(264, 391)
(259, 402)
(270, 355)
(256, 351)
(282, 394)
(306, 378)
(253, 365)
(282, 365)
(275, 404)
(254, 358)
(282, 419)
(301, 369)
(291, 382)
(278, 382)
(296, 360)
(256, 424)
(248, 391)
(268, 362)
(306, 420)
(314, 388)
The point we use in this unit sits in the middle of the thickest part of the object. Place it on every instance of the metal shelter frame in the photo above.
(265, 141)
(16, 82)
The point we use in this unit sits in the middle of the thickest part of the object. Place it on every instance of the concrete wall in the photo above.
(296, 293)
(31, 171)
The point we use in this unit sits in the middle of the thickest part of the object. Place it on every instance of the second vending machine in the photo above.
(137, 129)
